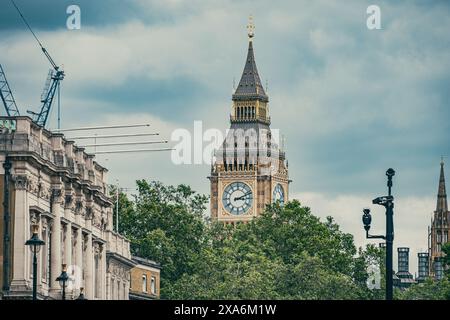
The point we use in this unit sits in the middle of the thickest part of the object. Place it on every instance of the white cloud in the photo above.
(328, 75)
(411, 218)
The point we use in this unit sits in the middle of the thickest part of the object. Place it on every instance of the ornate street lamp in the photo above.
(35, 245)
(63, 278)
(81, 296)
(388, 203)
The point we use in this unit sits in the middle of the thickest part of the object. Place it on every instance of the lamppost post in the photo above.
(7, 165)
(388, 203)
(389, 236)
(35, 244)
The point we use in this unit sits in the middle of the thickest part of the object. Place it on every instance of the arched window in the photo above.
(153, 285)
(144, 283)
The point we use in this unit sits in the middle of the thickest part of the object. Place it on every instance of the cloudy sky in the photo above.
(351, 101)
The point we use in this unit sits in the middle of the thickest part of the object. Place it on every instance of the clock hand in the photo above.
(243, 196)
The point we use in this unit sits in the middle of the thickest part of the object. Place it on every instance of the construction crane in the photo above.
(7, 96)
(52, 85)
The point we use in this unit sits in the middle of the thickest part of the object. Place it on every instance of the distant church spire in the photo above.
(441, 206)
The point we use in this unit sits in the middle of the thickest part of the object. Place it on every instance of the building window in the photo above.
(423, 265)
(74, 249)
(97, 277)
(153, 285)
(84, 256)
(144, 283)
(63, 244)
(403, 259)
(46, 256)
(113, 289)
(438, 270)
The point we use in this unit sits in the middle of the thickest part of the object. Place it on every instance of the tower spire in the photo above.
(441, 206)
(250, 86)
(250, 28)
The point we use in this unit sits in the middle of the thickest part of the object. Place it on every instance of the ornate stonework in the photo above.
(20, 182)
(34, 217)
(250, 169)
(43, 181)
(69, 202)
(57, 196)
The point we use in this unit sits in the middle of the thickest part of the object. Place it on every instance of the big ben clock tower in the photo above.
(249, 170)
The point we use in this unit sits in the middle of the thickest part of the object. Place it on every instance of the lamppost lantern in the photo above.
(35, 245)
(367, 219)
(62, 279)
(81, 296)
(34, 242)
(390, 172)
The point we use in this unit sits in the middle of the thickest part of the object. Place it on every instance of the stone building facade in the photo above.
(58, 186)
(145, 280)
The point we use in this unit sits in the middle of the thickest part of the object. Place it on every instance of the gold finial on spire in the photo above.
(250, 28)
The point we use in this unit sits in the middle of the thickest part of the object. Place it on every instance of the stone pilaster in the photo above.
(68, 244)
(79, 254)
(89, 276)
(21, 253)
(67, 259)
(56, 242)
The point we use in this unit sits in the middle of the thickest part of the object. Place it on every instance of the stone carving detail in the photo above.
(44, 192)
(97, 249)
(85, 242)
(20, 182)
(47, 222)
(79, 207)
(89, 213)
(69, 201)
(33, 186)
(59, 158)
(104, 221)
(34, 217)
(118, 271)
(50, 223)
(97, 219)
(57, 195)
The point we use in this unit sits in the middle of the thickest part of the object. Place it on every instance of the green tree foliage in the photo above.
(164, 224)
(286, 253)
(446, 259)
(428, 290)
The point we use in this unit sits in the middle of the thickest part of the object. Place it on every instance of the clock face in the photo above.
(278, 194)
(237, 198)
